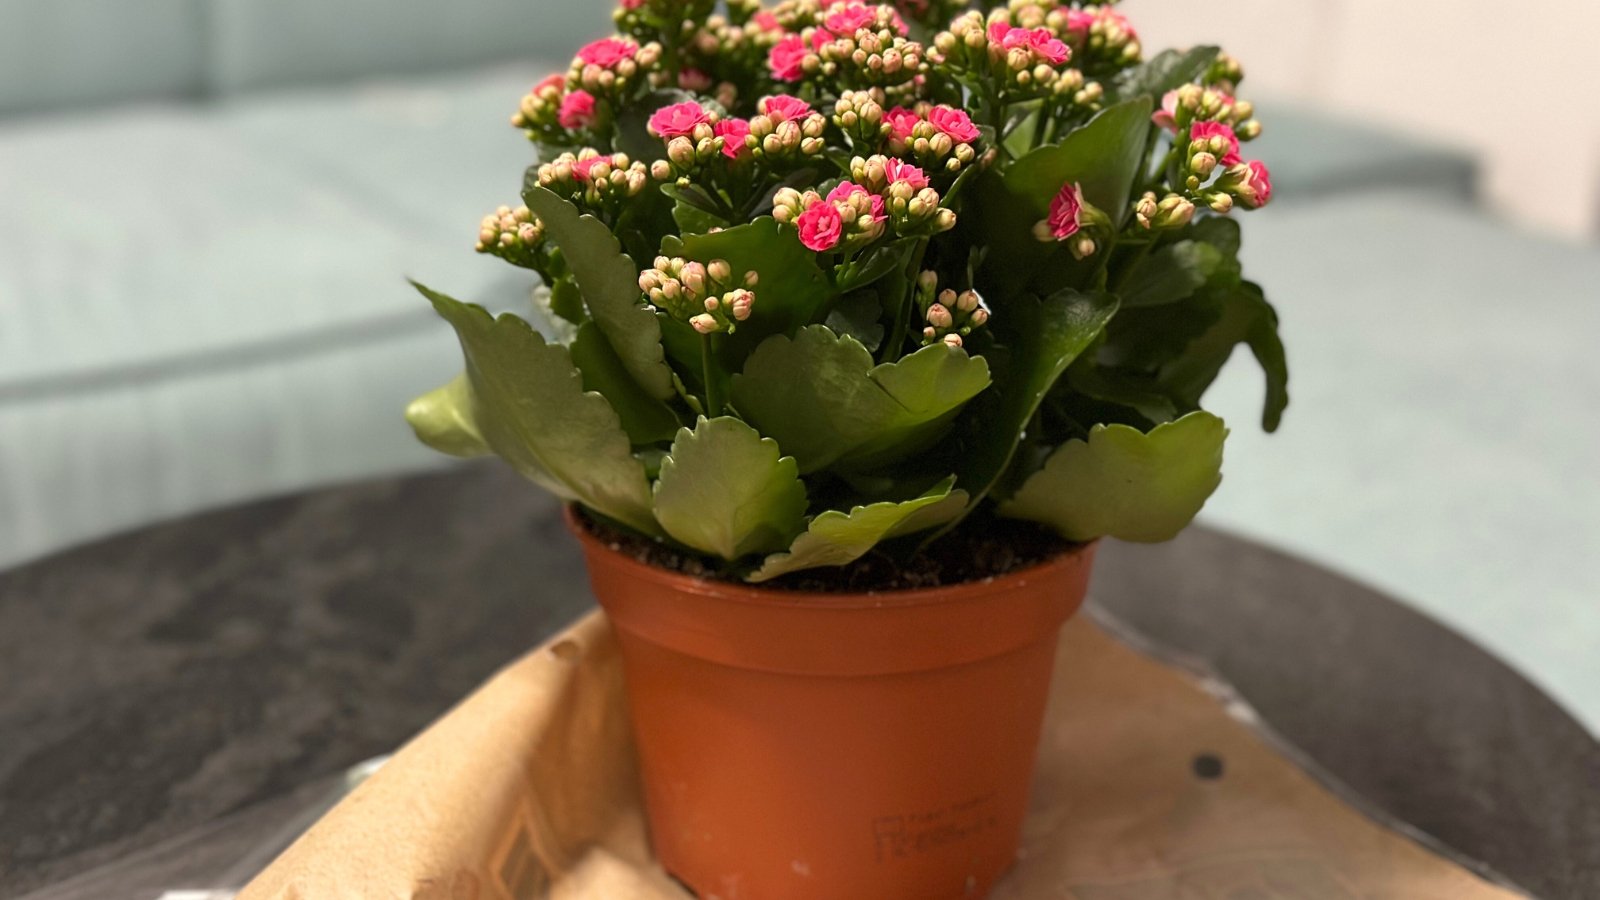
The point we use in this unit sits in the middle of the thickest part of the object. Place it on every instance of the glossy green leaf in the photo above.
(1167, 71)
(822, 399)
(1103, 156)
(1125, 484)
(728, 491)
(1243, 317)
(1170, 274)
(610, 284)
(1045, 337)
(837, 538)
(646, 419)
(445, 419)
(532, 411)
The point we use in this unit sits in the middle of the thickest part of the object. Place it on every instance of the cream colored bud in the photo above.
(719, 270)
(953, 340)
(705, 323)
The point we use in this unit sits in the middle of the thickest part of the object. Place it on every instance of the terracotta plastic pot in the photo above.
(833, 746)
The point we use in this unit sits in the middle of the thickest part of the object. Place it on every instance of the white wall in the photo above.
(1518, 82)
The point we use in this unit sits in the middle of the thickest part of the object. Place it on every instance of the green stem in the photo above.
(895, 340)
(1127, 270)
(713, 398)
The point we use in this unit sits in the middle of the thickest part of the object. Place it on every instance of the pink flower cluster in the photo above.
(946, 120)
(1214, 134)
(824, 221)
(607, 52)
(1081, 21)
(843, 20)
(678, 120)
(1038, 42)
(822, 224)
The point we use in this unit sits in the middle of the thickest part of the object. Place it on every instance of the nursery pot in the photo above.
(835, 746)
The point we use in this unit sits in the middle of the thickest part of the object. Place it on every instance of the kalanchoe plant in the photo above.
(835, 275)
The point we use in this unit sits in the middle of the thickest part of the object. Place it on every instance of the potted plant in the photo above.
(862, 324)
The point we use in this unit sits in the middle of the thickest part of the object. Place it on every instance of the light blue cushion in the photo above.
(437, 152)
(1445, 424)
(57, 53)
(191, 320)
(1317, 155)
(257, 43)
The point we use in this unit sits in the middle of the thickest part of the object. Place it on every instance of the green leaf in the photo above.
(1099, 394)
(1167, 71)
(1170, 274)
(610, 284)
(1000, 211)
(532, 411)
(646, 419)
(858, 315)
(837, 538)
(822, 399)
(1103, 156)
(1244, 317)
(791, 290)
(727, 491)
(1126, 484)
(445, 419)
(1043, 340)
(566, 301)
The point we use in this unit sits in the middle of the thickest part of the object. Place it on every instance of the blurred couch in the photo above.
(207, 208)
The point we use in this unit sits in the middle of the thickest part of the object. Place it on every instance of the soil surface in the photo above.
(981, 547)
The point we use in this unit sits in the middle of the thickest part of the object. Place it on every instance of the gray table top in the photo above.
(215, 673)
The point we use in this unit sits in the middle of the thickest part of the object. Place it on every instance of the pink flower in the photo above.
(786, 58)
(678, 119)
(1255, 187)
(1119, 22)
(1065, 211)
(582, 169)
(766, 21)
(1038, 41)
(904, 172)
(733, 132)
(902, 121)
(821, 227)
(1206, 131)
(694, 80)
(558, 83)
(577, 110)
(955, 123)
(1079, 22)
(845, 21)
(632, 4)
(1048, 47)
(607, 52)
(1167, 116)
(845, 191)
(783, 108)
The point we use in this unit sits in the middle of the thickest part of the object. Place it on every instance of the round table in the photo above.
(235, 661)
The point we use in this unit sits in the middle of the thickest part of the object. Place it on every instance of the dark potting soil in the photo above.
(982, 547)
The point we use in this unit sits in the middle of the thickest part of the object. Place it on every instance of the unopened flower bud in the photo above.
(1082, 247)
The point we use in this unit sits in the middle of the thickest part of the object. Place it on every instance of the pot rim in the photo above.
(758, 595)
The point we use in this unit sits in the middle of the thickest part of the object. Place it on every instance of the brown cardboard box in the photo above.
(1153, 784)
